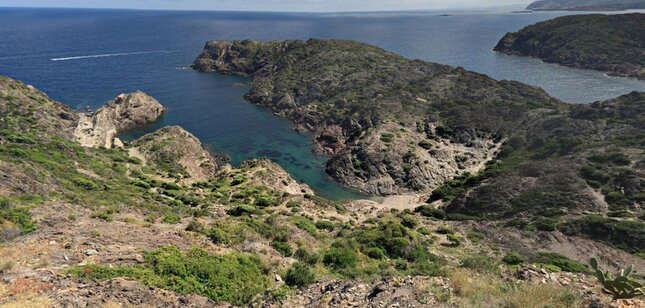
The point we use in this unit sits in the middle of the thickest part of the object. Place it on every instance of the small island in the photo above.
(612, 43)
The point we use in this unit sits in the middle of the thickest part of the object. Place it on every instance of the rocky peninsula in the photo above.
(389, 124)
(612, 43)
(586, 5)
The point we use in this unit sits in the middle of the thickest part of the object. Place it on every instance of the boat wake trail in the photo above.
(110, 55)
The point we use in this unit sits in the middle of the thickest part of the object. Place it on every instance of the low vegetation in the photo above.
(233, 278)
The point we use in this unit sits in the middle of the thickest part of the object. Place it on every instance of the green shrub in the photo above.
(615, 158)
(305, 224)
(242, 210)
(445, 230)
(283, 248)
(375, 253)
(475, 236)
(170, 186)
(222, 232)
(340, 258)
(480, 263)
(560, 261)
(387, 137)
(460, 217)
(409, 221)
(513, 258)
(428, 211)
(617, 197)
(234, 278)
(624, 234)
(171, 219)
(454, 240)
(140, 183)
(546, 224)
(18, 215)
(325, 225)
(85, 183)
(266, 201)
(299, 275)
(425, 144)
(195, 226)
(304, 255)
(621, 213)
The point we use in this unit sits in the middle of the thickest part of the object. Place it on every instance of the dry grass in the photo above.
(6, 266)
(25, 293)
(488, 290)
(29, 302)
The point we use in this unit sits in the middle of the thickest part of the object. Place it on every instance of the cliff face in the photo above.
(613, 43)
(586, 5)
(127, 111)
(389, 124)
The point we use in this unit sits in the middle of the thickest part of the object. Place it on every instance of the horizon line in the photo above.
(509, 6)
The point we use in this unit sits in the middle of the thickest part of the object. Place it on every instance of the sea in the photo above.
(86, 57)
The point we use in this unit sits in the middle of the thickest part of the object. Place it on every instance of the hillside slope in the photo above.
(612, 43)
(161, 223)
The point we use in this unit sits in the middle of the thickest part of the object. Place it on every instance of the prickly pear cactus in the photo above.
(619, 285)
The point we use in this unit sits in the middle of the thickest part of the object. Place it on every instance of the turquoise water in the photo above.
(87, 57)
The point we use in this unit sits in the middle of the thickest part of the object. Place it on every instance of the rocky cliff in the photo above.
(612, 43)
(586, 5)
(389, 125)
(127, 111)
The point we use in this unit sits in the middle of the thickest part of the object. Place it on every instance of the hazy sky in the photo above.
(267, 5)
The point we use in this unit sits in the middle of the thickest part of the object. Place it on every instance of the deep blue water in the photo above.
(155, 47)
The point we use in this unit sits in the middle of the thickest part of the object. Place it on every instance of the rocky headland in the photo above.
(612, 43)
(389, 125)
(126, 112)
(586, 5)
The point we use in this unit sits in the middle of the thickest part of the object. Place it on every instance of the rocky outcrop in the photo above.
(612, 43)
(390, 125)
(177, 152)
(126, 112)
(586, 5)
